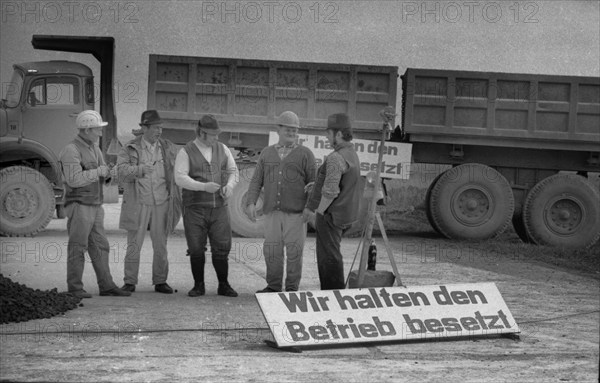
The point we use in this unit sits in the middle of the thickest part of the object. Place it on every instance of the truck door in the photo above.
(50, 108)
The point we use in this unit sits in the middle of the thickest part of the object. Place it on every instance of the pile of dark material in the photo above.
(19, 303)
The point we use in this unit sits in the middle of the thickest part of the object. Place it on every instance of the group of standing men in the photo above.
(160, 184)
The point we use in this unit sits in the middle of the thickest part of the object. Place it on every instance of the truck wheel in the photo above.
(519, 226)
(562, 210)
(240, 223)
(26, 201)
(471, 201)
(428, 203)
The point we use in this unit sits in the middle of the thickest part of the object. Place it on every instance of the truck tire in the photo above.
(471, 201)
(26, 201)
(562, 210)
(519, 226)
(428, 203)
(240, 223)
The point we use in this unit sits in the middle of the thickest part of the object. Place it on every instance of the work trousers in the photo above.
(205, 223)
(329, 258)
(156, 215)
(284, 232)
(85, 226)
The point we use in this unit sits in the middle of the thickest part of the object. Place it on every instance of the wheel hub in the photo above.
(563, 215)
(20, 203)
(471, 205)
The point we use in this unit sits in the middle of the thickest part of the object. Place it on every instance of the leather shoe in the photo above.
(80, 294)
(197, 291)
(226, 290)
(128, 287)
(268, 290)
(163, 288)
(115, 292)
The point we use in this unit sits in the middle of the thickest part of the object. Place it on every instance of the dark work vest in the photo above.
(90, 194)
(344, 209)
(203, 171)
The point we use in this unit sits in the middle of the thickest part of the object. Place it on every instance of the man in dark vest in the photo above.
(335, 198)
(207, 173)
(85, 171)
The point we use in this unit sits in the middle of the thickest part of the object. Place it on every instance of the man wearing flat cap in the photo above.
(150, 197)
(85, 172)
(207, 173)
(283, 170)
(335, 198)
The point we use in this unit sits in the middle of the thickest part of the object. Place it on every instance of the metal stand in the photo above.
(388, 115)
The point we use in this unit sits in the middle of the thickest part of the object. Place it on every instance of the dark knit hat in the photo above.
(209, 124)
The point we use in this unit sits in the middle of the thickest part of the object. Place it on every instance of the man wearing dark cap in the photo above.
(150, 196)
(335, 198)
(207, 173)
(283, 170)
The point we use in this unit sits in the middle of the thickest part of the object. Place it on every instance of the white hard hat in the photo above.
(89, 119)
(289, 119)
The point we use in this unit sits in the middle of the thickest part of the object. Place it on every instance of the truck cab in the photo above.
(37, 119)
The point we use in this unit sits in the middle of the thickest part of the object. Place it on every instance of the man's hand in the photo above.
(103, 171)
(211, 187)
(309, 187)
(147, 169)
(227, 191)
(252, 212)
(309, 216)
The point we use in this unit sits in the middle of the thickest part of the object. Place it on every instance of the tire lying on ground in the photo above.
(19, 303)
(26, 201)
(563, 210)
(471, 201)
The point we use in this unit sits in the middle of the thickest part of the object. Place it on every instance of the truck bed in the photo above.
(247, 95)
(502, 109)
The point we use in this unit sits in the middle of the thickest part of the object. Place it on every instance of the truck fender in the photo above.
(13, 144)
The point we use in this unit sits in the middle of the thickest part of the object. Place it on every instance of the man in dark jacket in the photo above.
(335, 198)
(283, 170)
(150, 196)
(85, 171)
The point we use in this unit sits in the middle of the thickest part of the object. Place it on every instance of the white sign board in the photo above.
(395, 162)
(309, 318)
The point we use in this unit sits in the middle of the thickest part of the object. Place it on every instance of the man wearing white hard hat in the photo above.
(85, 171)
(283, 170)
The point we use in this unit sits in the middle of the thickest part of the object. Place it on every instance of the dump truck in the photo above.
(520, 146)
(37, 119)
(246, 96)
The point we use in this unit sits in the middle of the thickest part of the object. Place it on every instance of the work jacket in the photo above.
(130, 170)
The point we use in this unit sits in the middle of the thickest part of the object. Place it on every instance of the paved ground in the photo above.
(221, 339)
